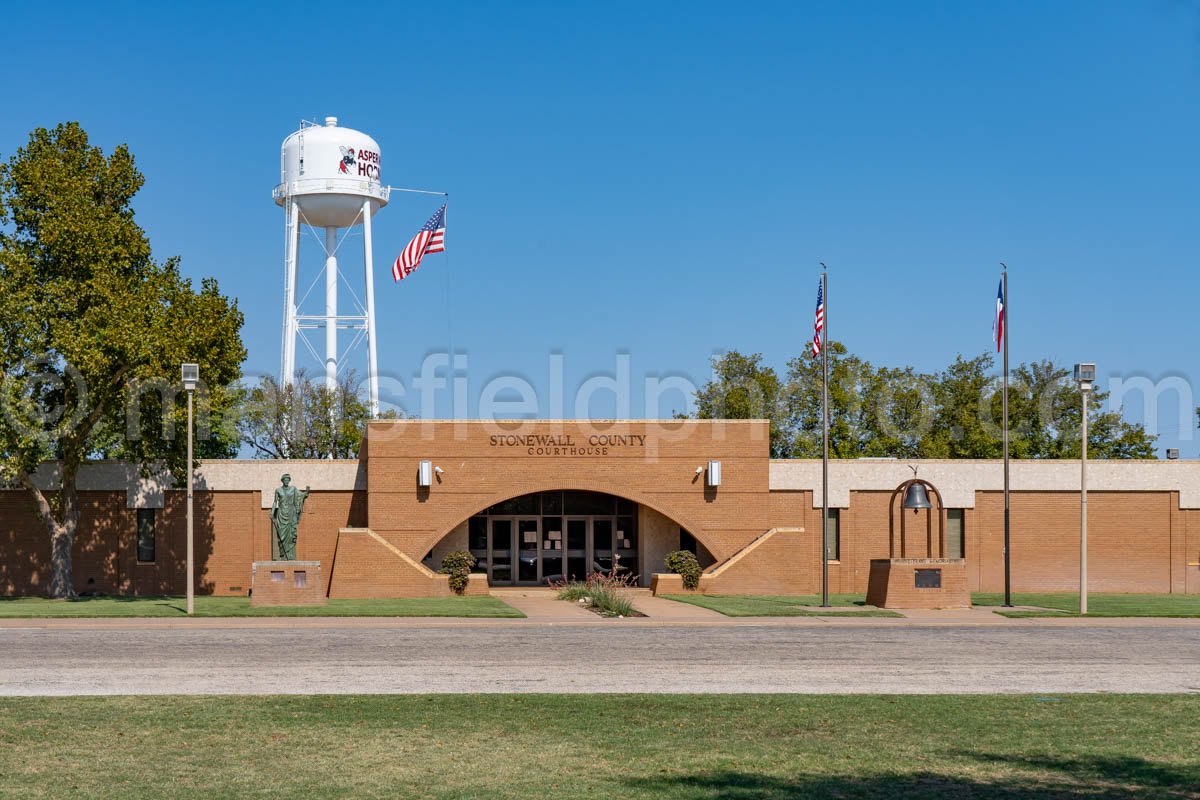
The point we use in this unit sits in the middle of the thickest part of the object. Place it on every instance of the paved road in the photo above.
(590, 658)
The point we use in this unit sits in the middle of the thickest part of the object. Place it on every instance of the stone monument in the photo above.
(927, 582)
(286, 581)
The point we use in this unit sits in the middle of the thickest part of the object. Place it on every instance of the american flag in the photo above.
(998, 320)
(430, 239)
(819, 320)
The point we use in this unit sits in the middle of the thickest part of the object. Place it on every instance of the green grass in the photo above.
(475, 606)
(745, 605)
(1099, 604)
(676, 747)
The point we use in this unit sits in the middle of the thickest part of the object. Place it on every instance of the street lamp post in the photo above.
(191, 377)
(1085, 374)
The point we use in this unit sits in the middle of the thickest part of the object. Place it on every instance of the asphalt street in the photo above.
(608, 658)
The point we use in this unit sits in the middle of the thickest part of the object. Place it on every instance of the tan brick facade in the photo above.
(287, 583)
(893, 583)
(1144, 539)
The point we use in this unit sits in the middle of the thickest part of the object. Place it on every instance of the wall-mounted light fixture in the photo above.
(425, 474)
(714, 474)
(700, 470)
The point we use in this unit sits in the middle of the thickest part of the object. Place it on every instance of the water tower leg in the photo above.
(291, 273)
(372, 353)
(331, 288)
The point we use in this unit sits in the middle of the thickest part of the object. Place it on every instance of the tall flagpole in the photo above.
(1004, 411)
(825, 441)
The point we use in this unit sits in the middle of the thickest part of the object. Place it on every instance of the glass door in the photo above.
(552, 549)
(527, 550)
(577, 549)
(501, 532)
(602, 544)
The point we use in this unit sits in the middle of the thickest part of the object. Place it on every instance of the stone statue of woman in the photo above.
(285, 516)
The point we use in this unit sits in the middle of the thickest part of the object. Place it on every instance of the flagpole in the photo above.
(825, 441)
(1004, 412)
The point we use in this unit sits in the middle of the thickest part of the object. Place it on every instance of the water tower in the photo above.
(330, 181)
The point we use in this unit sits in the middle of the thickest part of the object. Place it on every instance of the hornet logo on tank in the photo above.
(364, 162)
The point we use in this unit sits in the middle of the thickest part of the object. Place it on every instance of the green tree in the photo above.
(742, 388)
(93, 330)
(901, 412)
(967, 421)
(1046, 407)
(304, 419)
(851, 426)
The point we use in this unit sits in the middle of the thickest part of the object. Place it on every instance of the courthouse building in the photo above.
(535, 501)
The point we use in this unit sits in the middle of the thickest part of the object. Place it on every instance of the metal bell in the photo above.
(915, 497)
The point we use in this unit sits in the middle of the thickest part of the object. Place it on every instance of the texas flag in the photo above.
(998, 320)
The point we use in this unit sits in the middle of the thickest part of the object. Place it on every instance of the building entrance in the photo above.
(554, 536)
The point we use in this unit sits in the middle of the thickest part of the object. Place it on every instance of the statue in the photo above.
(285, 516)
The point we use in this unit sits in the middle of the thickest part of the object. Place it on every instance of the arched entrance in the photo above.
(555, 535)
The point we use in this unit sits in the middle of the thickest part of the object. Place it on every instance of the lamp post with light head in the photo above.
(190, 373)
(1085, 375)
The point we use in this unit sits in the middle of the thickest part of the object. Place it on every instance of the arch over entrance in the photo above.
(553, 535)
(556, 535)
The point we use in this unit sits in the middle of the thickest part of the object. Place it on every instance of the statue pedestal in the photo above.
(918, 583)
(287, 583)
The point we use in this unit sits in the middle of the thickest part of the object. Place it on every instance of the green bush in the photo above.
(684, 564)
(458, 566)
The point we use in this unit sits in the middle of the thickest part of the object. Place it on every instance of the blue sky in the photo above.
(661, 180)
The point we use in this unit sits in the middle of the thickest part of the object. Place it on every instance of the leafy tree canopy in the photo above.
(742, 388)
(93, 330)
(304, 419)
(902, 413)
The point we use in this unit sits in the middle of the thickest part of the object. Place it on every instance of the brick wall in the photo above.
(232, 530)
(659, 472)
(1137, 541)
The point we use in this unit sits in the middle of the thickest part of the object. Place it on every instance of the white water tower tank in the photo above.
(330, 180)
(328, 171)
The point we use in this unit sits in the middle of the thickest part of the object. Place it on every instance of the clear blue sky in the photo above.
(662, 179)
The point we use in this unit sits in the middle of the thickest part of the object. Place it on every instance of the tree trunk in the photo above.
(61, 530)
(62, 579)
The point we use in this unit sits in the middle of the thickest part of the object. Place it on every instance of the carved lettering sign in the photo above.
(566, 444)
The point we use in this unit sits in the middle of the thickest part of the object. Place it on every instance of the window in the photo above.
(956, 542)
(833, 535)
(145, 535)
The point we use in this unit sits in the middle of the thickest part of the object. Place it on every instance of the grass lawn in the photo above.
(684, 747)
(745, 605)
(240, 607)
(1099, 604)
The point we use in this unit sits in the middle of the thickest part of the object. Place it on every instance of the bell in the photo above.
(915, 497)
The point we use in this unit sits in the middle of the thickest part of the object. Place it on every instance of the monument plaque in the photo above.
(928, 578)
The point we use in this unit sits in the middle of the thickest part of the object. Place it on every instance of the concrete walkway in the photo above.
(541, 605)
(657, 608)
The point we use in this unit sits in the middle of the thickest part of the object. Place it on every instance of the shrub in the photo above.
(684, 564)
(458, 566)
